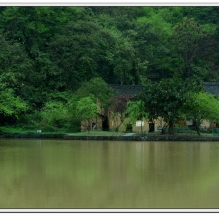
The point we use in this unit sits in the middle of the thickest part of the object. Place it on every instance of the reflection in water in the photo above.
(108, 174)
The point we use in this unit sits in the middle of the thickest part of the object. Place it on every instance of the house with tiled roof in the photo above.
(133, 90)
(112, 120)
(128, 92)
(109, 120)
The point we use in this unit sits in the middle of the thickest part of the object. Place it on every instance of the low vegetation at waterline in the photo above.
(20, 130)
(180, 131)
(97, 133)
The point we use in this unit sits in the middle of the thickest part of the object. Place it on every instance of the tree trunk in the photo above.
(141, 129)
(197, 127)
(164, 128)
(89, 125)
(117, 128)
(170, 127)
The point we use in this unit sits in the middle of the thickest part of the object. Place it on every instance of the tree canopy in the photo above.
(167, 98)
(202, 106)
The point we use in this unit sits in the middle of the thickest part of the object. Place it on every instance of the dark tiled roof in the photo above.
(127, 90)
(212, 87)
(132, 90)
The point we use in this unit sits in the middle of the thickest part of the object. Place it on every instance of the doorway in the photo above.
(105, 124)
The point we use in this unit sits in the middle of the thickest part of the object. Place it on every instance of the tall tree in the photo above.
(136, 111)
(203, 106)
(190, 44)
(86, 110)
(166, 99)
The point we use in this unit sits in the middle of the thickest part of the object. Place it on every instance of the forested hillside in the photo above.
(48, 52)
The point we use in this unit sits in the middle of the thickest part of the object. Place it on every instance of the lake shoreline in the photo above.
(114, 138)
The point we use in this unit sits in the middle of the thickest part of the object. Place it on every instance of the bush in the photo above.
(183, 130)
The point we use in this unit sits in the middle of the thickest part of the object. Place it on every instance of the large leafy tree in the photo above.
(86, 110)
(75, 54)
(98, 91)
(11, 106)
(54, 114)
(136, 111)
(150, 37)
(85, 49)
(203, 106)
(166, 99)
(15, 66)
(191, 43)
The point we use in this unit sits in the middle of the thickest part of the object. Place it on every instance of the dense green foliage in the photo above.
(169, 99)
(136, 111)
(86, 109)
(48, 55)
(203, 106)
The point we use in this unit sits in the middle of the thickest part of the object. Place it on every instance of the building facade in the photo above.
(114, 117)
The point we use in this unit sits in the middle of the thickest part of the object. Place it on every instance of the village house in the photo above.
(110, 119)
(128, 92)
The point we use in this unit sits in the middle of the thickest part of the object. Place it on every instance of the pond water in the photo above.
(108, 174)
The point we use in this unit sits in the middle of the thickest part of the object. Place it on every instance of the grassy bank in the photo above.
(20, 130)
(97, 133)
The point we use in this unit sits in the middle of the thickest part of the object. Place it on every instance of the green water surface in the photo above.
(108, 174)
